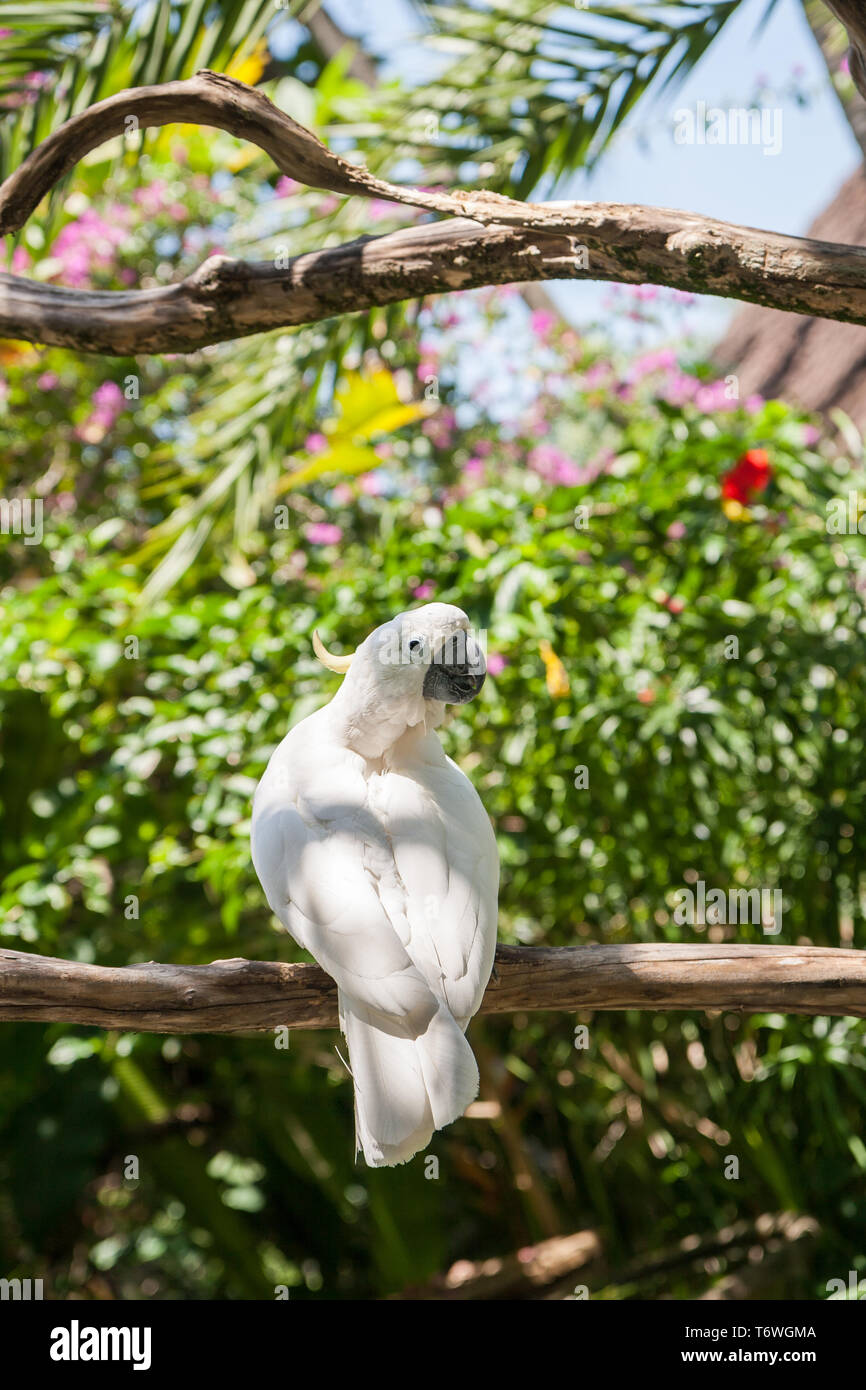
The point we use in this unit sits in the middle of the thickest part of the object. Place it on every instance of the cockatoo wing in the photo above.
(314, 858)
(447, 868)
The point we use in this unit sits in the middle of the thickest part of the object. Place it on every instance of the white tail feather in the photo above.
(405, 1086)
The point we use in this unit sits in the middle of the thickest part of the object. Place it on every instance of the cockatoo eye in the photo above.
(415, 645)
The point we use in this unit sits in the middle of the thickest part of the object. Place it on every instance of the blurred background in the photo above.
(632, 491)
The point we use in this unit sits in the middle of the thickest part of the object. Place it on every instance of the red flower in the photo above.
(750, 475)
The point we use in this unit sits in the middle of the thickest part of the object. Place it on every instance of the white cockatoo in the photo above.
(375, 851)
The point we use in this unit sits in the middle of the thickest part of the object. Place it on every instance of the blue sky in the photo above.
(781, 192)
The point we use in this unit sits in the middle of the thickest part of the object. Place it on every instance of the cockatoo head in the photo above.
(408, 670)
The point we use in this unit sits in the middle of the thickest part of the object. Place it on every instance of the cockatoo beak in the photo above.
(340, 664)
(457, 671)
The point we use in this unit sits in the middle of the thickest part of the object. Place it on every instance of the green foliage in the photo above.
(155, 646)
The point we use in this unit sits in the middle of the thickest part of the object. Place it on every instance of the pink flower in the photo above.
(107, 401)
(371, 484)
(315, 443)
(597, 374)
(439, 428)
(473, 467)
(681, 388)
(378, 210)
(21, 260)
(496, 664)
(542, 322)
(811, 434)
(662, 361)
(323, 533)
(152, 199)
(713, 395)
(676, 530)
(343, 494)
(642, 292)
(285, 186)
(89, 243)
(551, 463)
(48, 381)
(425, 590)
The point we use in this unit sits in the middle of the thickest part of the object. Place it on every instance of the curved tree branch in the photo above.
(240, 995)
(853, 15)
(502, 241)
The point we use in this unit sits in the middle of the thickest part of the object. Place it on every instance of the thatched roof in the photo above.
(815, 363)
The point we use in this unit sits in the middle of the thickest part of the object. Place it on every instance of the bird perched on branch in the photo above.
(375, 851)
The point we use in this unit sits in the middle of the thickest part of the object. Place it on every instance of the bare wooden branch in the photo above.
(243, 996)
(852, 14)
(489, 240)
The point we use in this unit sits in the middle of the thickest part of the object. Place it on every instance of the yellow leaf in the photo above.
(734, 510)
(344, 457)
(14, 350)
(250, 68)
(555, 674)
(369, 405)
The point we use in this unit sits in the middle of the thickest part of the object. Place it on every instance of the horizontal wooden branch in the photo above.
(488, 240)
(242, 996)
